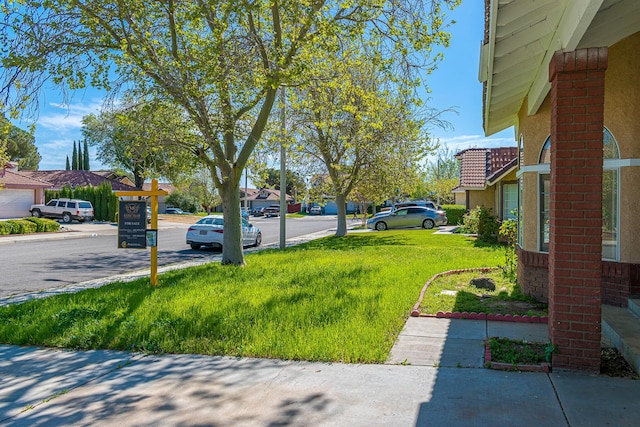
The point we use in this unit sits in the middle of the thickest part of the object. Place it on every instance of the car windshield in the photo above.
(211, 221)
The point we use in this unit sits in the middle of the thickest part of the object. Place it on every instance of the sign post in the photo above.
(154, 193)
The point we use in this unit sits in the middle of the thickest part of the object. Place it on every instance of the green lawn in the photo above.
(333, 299)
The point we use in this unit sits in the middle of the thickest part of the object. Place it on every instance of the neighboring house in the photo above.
(488, 179)
(257, 199)
(565, 74)
(18, 192)
(169, 188)
(116, 177)
(59, 179)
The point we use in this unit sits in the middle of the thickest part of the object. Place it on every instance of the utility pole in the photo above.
(283, 174)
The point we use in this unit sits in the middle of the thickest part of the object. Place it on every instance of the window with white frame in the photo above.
(610, 197)
(509, 200)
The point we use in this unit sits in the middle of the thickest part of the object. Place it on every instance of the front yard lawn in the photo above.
(333, 299)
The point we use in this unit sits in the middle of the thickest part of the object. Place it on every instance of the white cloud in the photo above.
(462, 142)
(61, 117)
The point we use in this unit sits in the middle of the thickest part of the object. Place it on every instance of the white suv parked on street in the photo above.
(66, 209)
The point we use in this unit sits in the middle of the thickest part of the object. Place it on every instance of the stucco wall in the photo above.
(481, 198)
(621, 117)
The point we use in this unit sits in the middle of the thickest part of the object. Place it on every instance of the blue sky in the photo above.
(453, 84)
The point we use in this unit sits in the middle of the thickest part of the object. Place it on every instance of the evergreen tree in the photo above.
(85, 159)
(68, 167)
(80, 158)
(74, 158)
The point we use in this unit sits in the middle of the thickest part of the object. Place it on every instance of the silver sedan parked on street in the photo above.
(414, 216)
(209, 231)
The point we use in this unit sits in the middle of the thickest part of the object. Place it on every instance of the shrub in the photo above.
(44, 225)
(508, 234)
(482, 222)
(22, 226)
(5, 228)
(184, 201)
(455, 214)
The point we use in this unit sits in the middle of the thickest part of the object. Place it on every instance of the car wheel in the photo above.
(36, 213)
(381, 226)
(428, 224)
(66, 217)
(258, 241)
(195, 246)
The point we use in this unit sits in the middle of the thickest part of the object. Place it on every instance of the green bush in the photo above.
(22, 226)
(482, 222)
(455, 213)
(44, 225)
(5, 228)
(184, 201)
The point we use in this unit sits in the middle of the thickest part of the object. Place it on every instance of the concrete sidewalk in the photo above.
(102, 388)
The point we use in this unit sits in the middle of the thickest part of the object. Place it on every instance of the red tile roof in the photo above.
(62, 178)
(13, 179)
(479, 164)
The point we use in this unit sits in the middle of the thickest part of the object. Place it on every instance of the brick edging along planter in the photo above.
(415, 312)
(501, 366)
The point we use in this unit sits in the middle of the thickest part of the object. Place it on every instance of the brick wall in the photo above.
(620, 281)
(575, 243)
(533, 274)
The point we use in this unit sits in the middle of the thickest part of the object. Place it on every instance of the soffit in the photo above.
(524, 34)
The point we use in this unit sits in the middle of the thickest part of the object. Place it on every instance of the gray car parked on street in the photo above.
(415, 216)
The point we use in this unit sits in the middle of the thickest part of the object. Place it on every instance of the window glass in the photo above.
(71, 205)
(545, 153)
(509, 201)
(401, 212)
(610, 195)
(545, 197)
(52, 202)
(610, 214)
(85, 205)
(610, 146)
(62, 204)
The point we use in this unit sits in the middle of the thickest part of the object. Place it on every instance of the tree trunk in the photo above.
(232, 239)
(341, 201)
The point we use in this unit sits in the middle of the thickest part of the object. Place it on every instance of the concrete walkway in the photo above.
(437, 380)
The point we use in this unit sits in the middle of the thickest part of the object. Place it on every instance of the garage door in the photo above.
(15, 203)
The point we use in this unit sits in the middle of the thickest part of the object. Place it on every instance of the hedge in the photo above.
(44, 225)
(28, 225)
(455, 214)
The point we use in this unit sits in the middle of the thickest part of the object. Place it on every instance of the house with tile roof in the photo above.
(564, 74)
(488, 179)
(80, 178)
(18, 192)
(261, 198)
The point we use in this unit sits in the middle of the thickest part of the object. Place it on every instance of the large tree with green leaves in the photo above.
(222, 62)
(440, 177)
(20, 145)
(359, 119)
(144, 138)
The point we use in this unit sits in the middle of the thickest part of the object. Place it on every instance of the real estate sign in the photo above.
(132, 224)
